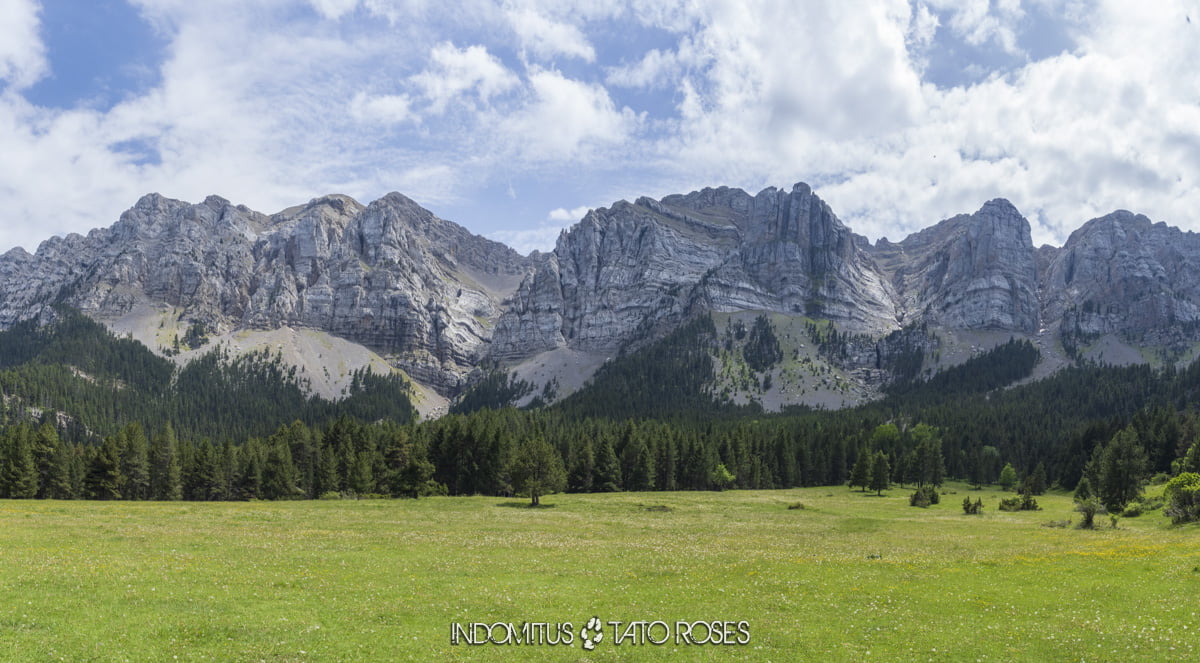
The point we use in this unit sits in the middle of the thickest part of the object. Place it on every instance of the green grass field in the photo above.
(851, 577)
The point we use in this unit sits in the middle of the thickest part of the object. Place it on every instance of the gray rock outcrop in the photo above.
(391, 275)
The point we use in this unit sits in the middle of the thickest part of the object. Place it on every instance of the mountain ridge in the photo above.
(438, 302)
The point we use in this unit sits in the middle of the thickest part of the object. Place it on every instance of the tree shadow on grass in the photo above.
(525, 505)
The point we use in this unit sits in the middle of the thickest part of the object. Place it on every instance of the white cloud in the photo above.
(456, 72)
(269, 106)
(981, 21)
(526, 241)
(22, 54)
(572, 215)
(546, 38)
(385, 108)
(334, 9)
(566, 120)
(655, 69)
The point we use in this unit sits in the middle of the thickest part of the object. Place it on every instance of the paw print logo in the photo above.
(592, 633)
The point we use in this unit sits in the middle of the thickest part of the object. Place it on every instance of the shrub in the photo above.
(1132, 510)
(972, 508)
(795, 505)
(1089, 508)
(331, 495)
(1183, 498)
(1022, 502)
(924, 496)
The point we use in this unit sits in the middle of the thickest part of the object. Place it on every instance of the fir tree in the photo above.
(608, 469)
(135, 463)
(1008, 477)
(104, 478)
(581, 467)
(880, 473)
(537, 470)
(166, 469)
(861, 474)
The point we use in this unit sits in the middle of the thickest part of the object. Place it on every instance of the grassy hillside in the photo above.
(849, 577)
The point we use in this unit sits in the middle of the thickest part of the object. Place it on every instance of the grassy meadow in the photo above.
(850, 577)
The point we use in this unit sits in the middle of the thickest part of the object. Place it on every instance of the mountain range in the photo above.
(336, 286)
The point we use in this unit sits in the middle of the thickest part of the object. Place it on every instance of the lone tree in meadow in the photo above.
(1008, 477)
(537, 470)
(880, 473)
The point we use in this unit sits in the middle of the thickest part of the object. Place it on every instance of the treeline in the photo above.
(296, 462)
(244, 429)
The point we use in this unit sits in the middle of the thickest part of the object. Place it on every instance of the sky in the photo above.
(513, 118)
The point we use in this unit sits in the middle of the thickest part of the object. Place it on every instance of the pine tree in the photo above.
(929, 455)
(1122, 466)
(59, 485)
(1035, 483)
(20, 469)
(104, 478)
(880, 473)
(166, 469)
(608, 469)
(582, 467)
(135, 463)
(1008, 477)
(279, 477)
(45, 446)
(861, 474)
(537, 469)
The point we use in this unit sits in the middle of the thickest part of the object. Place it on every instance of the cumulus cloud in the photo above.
(572, 215)
(270, 106)
(22, 54)
(454, 72)
(546, 38)
(566, 119)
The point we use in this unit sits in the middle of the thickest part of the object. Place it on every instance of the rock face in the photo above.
(390, 275)
(973, 271)
(1123, 274)
(626, 272)
(436, 300)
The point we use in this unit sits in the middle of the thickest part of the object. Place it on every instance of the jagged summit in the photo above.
(436, 300)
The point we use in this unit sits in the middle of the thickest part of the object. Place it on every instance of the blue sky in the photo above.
(514, 117)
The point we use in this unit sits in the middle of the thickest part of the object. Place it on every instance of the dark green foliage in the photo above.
(537, 470)
(972, 508)
(1001, 366)
(135, 463)
(1083, 491)
(18, 465)
(1120, 467)
(860, 475)
(1022, 502)
(1089, 508)
(1008, 477)
(1183, 498)
(165, 467)
(761, 350)
(930, 465)
(880, 473)
(607, 477)
(721, 478)
(1035, 483)
(104, 478)
(669, 379)
(104, 382)
(496, 390)
(924, 497)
